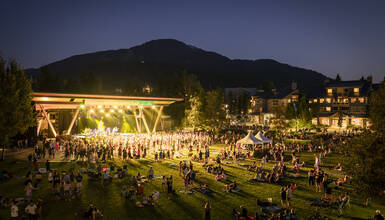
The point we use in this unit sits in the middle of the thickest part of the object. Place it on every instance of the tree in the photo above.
(365, 162)
(193, 114)
(377, 110)
(340, 117)
(214, 111)
(366, 153)
(16, 113)
(338, 77)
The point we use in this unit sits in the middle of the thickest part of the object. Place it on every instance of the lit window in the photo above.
(328, 100)
(362, 100)
(330, 91)
(321, 100)
(356, 90)
(315, 100)
(328, 109)
(345, 100)
(310, 101)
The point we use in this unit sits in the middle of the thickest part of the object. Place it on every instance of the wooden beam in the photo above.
(73, 121)
(144, 120)
(136, 120)
(157, 119)
(39, 126)
(49, 122)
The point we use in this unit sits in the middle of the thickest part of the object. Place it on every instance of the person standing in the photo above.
(207, 211)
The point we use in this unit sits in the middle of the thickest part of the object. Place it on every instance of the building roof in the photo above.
(352, 83)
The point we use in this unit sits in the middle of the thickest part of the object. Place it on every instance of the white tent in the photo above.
(249, 139)
(262, 138)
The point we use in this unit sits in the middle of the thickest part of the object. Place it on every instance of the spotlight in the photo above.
(120, 110)
(128, 106)
(45, 99)
(108, 114)
(101, 110)
(112, 110)
(82, 106)
(115, 107)
(153, 107)
(92, 111)
(99, 106)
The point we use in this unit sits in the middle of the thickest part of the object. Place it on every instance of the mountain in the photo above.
(159, 59)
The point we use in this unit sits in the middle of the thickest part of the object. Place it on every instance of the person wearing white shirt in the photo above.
(31, 210)
(14, 211)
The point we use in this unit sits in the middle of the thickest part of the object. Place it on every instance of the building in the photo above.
(344, 103)
(265, 103)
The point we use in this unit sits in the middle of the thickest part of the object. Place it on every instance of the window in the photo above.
(310, 101)
(356, 90)
(328, 100)
(345, 100)
(321, 100)
(362, 100)
(328, 109)
(315, 100)
(330, 91)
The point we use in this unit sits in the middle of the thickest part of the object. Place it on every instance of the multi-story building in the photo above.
(344, 103)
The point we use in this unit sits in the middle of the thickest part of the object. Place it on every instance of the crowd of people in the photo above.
(274, 163)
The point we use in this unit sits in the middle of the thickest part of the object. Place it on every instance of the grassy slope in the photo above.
(190, 206)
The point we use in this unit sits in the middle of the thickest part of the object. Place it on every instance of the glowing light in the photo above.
(92, 111)
(120, 110)
(108, 114)
(45, 98)
(128, 106)
(101, 110)
(140, 107)
(82, 106)
(99, 106)
(112, 110)
(115, 107)
(153, 107)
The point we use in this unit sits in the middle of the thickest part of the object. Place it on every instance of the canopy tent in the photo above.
(262, 138)
(249, 139)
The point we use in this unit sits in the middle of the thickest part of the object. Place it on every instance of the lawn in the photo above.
(182, 206)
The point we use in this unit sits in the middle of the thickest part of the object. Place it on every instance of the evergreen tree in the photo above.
(338, 78)
(366, 153)
(214, 111)
(16, 113)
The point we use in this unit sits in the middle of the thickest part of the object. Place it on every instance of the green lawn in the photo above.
(182, 206)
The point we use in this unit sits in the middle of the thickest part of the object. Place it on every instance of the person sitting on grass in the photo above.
(231, 187)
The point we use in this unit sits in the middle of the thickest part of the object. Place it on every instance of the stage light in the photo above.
(112, 110)
(108, 114)
(92, 111)
(82, 106)
(99, 106)
(128, 106)
(153, 107)
(115, 107)
(101, 110)
(45, 98)
(120, 110)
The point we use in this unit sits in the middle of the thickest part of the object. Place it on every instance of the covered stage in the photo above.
(47, 103)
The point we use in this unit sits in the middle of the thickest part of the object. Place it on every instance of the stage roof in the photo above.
(73, 101)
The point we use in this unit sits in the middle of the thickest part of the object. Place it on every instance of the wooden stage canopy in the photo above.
(60, 101)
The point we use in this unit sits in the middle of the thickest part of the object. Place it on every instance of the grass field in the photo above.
(182, 206)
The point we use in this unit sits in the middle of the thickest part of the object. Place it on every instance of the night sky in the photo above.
(336, 36)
